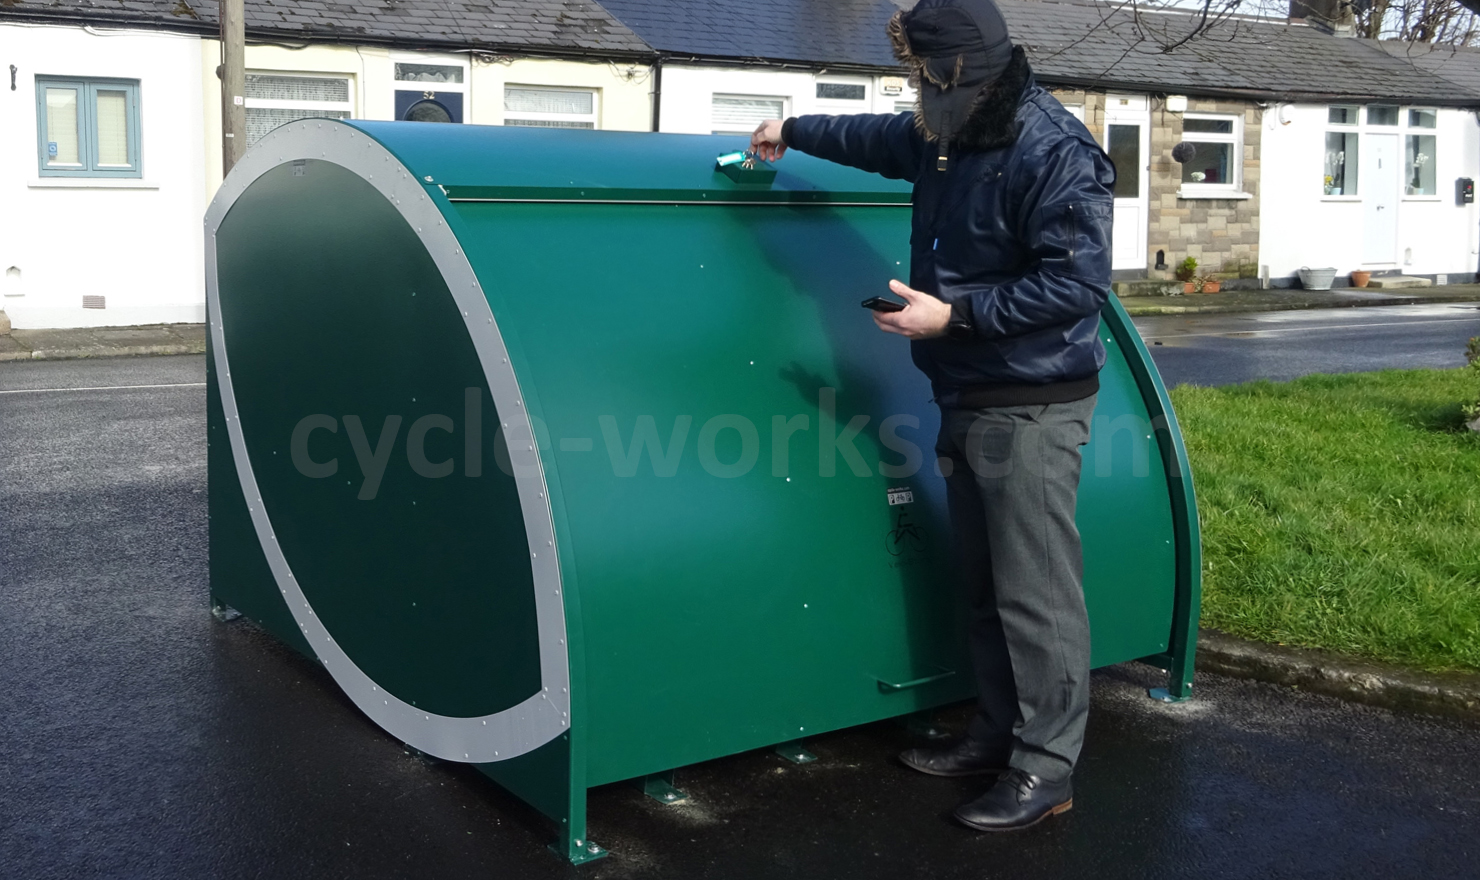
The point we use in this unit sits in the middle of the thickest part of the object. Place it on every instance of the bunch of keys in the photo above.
(745, 160)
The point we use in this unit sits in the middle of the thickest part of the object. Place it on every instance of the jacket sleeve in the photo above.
(883, 144)
(1064, 220)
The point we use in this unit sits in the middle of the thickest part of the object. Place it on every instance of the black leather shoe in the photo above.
(1018, 800)
(966, 758)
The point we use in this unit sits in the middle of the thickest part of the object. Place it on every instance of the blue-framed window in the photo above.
(88, 127)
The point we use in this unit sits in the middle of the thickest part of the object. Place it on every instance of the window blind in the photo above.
(573, 102)
(113, 128)
(740, 114)
(61, 126)
(297, 88)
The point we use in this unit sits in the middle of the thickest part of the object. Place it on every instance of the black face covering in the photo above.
(957, 48)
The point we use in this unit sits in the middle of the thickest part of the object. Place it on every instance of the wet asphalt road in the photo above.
(139, 738)
(1222, 349)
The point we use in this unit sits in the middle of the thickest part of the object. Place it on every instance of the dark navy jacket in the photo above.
(1022, 233)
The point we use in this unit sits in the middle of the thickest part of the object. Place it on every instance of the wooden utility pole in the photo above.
(233, 73)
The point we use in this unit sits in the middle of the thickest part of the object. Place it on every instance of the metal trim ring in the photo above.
(543, 716)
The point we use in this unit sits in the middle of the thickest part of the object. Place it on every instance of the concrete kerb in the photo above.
(1233, 302)
(93, 342)
(1447, 695)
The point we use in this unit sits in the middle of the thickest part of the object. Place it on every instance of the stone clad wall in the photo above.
(1222, 234)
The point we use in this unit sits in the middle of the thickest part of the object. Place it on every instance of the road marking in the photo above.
(104, 388)
(1246, 333)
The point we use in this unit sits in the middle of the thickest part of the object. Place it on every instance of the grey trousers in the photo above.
(1012, 476)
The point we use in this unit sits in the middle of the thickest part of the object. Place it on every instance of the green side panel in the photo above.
(1125, 521)
(726, 613)
(331, 307)
(239, 573)
(1186, 531)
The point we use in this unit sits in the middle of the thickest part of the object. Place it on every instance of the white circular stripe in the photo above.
(543, 716)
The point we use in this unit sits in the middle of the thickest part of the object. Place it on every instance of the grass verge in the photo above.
(1341, 512)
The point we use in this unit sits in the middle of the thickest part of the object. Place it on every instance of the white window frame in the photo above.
(594, 117)
(432, 61)
(843, 105)
(786, 102)
(311, 106)
(1233, 188)
(1418, 131)
(89, 164)
(1354, 168)
(1363, 128)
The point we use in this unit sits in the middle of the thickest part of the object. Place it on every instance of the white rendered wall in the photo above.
(624, 89)
(1301, 226)
(688, 93)
(136, 242)
(624, 99)
(369, 70)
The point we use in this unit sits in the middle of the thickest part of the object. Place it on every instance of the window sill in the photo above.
(1341, 198)
(1227, 195)
(1422, 198)
(90, 183)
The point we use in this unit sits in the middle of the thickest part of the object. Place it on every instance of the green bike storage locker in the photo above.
(572, 456)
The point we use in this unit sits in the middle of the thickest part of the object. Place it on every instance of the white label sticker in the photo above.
(901, 495)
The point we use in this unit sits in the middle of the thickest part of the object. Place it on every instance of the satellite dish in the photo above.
(1184, 152)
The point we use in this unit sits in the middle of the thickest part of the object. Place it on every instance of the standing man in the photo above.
(1009, 268)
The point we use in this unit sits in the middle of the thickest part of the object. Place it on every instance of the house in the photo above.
(119, 109)
(1250, 204)
(725, 68)
(101, 175)
(1303, 148)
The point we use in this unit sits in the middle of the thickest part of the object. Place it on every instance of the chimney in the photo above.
(1332, 16)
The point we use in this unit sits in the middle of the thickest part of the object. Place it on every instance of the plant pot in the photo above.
(1212, 286)
(1188, 287)
(1360, 279)
(1316, 279)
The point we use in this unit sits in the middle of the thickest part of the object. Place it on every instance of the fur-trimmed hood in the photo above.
(991, 120)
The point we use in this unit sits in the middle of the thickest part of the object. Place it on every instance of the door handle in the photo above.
(892, 686)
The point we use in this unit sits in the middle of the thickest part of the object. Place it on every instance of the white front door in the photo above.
(1128, 142)
(1379, 188)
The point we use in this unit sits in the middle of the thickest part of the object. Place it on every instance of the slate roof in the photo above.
(808, 32)
(567, 27)
(1069, 43)
(1458, 64)
(1073, 43)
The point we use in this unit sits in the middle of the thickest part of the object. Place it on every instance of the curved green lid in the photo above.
(497, 163)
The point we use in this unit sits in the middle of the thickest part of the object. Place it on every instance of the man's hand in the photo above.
(924, 318)
(766, 141)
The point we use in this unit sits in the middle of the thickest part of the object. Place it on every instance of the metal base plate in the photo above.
(922, 724)
(660, 788)
(795, 752)
(1166, 696)
(580, 853)
(222, 612)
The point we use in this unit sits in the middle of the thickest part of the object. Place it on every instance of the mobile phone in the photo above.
(879, 304)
